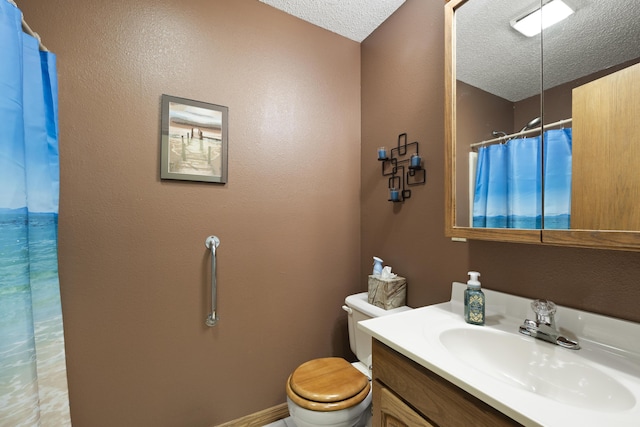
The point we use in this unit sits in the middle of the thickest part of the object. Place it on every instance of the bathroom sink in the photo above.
(539, 367)
(534, 382)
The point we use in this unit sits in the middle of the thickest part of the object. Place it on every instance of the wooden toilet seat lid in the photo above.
(327, 384)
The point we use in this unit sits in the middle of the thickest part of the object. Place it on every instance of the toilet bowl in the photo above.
(331, 392)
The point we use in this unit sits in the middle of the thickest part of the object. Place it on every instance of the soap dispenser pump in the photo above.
(474, 300)
(377, 266)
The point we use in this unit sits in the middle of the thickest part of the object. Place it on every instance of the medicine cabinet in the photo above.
(511, 95)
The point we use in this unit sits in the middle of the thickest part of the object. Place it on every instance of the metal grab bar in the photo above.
(212, 243)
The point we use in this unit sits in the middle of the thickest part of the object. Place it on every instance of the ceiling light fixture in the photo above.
(551, 13)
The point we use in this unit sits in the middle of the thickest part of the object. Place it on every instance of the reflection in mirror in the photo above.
(581, 172)
(589, 76)
(498, 86)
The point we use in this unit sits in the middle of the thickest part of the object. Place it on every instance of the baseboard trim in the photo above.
(261, 418)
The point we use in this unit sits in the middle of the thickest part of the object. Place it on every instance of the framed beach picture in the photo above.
(194, 140)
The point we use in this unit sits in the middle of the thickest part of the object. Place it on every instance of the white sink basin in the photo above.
(532, 381)
(538, 367)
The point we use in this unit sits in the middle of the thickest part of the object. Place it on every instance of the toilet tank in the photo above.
(359, 309)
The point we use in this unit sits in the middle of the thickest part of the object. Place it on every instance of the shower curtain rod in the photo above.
(521, 133)
(27, 29)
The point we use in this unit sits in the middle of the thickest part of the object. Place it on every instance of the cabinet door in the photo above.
(477, 110)
(606, 188)
(390, 411)
(606, 184)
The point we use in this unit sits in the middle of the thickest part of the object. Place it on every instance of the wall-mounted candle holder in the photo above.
(393, 166)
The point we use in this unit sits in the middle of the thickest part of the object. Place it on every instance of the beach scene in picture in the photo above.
(195, 140)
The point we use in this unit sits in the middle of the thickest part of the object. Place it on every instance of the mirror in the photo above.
(498, 80)
(588, 75)
(498, 86)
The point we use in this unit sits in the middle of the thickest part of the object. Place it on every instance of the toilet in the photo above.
(331, 391)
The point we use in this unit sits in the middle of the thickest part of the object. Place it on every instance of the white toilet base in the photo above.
(357, 416)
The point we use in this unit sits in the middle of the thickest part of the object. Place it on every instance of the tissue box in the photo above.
(387, 293)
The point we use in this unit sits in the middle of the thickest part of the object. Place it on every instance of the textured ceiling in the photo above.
(494, 57)
(353, 19)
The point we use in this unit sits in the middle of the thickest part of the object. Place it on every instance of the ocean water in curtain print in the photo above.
(557, 178)
(33, 380)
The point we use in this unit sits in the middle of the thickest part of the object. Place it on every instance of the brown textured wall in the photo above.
(402, 90)
(134, 270)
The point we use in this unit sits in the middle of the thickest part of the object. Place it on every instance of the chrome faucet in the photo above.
(544, 327)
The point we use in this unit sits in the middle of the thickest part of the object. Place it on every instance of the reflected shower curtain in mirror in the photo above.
(557, 179)
(33, 380)
(524, 186)
(490, 201)
(508, 185)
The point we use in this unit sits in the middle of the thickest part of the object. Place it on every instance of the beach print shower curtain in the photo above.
(524, 186)
(557, 179)
(33, 380)
(510, 190)
(508, 185)
(490, 204)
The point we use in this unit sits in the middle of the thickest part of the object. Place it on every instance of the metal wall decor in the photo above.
(393, 166)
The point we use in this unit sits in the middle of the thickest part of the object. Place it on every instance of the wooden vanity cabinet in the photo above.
(407, 394)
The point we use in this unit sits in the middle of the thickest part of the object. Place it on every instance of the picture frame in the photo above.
(194, 140)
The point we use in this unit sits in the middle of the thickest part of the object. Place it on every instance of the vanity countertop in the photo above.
(534, 382)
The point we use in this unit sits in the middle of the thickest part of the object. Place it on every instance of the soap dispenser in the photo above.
(474, 300)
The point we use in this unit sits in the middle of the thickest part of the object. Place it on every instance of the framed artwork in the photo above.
(194, 140)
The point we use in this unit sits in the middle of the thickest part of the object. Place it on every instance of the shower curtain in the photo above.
(490, 201)
(33, 381)
(524, 186)
(557, 178)
(509, 186)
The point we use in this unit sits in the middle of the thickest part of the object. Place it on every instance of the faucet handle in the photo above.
(544, 310)
(543, 307)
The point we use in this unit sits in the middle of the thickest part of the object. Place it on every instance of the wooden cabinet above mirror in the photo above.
(579, 78)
